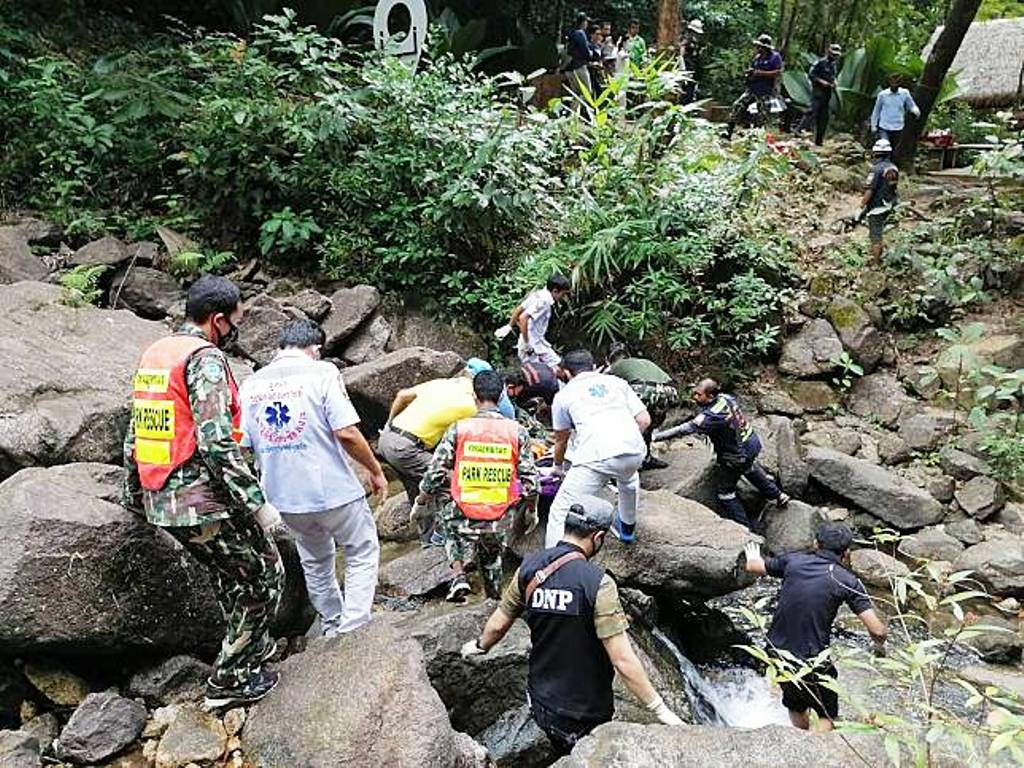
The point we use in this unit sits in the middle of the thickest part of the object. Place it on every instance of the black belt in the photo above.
(410, 437)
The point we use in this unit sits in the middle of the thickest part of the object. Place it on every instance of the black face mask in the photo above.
(229, 339)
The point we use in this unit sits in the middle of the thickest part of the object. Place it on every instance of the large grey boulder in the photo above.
(17, 262)
(961, 465)
(361, 699)
(259, 333)
(880, 396)
(875, 568)
(792, 528)
(925, 430)
(1003, 349)
(980, 497)
(147, 292)
(369, 342)
(373, 385)
(997, 563)
(392, 519)
(80, 574)
(874, 489)
(479, 689)
(19, 750)
(858, 334)
(812, 351)
(312, 304)
(349, 308)
(419, 573)
(516, 741)
(627, 745)
(931, 543)
(103, 725)
(781, 453)
(106, 252)
(416, 328)
(689, 473)
(682, 549)
(65, 382)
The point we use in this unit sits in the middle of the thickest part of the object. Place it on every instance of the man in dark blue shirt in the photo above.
(823, 84)
(814, 586)
(736, 446)
(764, 71)
(579, 54)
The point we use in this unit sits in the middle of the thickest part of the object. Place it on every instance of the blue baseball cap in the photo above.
(475, 365)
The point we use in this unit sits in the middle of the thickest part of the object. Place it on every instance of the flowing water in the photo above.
(735, 696)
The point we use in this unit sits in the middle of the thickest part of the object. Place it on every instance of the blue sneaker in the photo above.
(624, 532)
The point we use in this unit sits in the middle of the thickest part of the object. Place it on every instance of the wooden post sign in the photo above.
(406, 44)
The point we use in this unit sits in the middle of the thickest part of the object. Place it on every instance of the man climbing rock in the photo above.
(736, 446)
(419, 417)
(765, 69)
(607, 421)
(814, 586)
(652, 385)
(823, 84)
(483, 473)
(185, 469)
(880, 196)
(532, 318)
(299, 422)
(577, 631)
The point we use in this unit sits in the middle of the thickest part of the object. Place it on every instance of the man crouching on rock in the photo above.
(577, 630)
(184, 467)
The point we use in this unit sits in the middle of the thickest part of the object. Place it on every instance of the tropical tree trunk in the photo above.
(668, 25)
(926, 93)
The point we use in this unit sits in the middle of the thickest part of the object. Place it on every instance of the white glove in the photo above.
(268, 517)
(501, 333)
(472, 648)
(660, 710)
(752, 551)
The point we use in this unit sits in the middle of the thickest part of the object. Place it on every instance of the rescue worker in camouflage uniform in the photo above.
(652, 385)
(185, 470)
(484, 470)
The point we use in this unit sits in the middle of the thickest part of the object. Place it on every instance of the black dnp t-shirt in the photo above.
(814, 586)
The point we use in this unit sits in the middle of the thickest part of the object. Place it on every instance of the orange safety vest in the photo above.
(165, 432)
(485, 478)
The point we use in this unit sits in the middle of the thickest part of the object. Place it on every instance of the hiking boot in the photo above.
(653, 462)
(435, 540)
(624, 532)
(783, 499)
(458, 590)
(251, 691)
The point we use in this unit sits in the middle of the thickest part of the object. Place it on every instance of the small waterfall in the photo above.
(740, 698)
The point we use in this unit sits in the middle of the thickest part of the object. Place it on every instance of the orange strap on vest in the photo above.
(165, 432)
(485, 478)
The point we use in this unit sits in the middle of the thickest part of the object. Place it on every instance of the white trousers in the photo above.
(542, 353)
(317, 538)
(587, 479)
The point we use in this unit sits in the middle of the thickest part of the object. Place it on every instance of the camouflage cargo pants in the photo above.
(248, 577)
(657, 399)
(742, 104)
(465, 539)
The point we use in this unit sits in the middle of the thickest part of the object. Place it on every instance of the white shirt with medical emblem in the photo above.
(601, 410)
(290, 409)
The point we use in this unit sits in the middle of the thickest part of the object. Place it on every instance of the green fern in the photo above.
(80, 286)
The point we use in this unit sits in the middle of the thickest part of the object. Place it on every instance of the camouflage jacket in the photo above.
(437, 479)
(216, 482)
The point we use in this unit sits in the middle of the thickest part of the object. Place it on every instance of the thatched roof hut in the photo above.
(990, 62)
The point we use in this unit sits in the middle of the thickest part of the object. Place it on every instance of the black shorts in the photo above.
(809, 693)
(563, 732)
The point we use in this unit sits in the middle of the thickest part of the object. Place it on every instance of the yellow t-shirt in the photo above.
(439, 404)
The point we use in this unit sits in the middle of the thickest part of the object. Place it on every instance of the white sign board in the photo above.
(406, 44)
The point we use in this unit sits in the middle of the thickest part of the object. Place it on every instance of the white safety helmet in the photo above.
(882, 147)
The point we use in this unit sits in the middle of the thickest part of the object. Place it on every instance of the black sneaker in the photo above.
(783, 499)
(254, 689)
(653, 462)
(458, 590)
